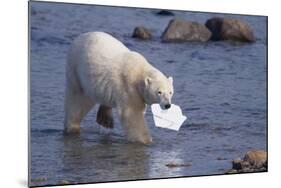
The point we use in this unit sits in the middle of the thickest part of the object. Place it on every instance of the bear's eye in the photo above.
(159, 92)
(171, 93)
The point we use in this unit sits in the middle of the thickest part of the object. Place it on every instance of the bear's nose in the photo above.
(167, 106)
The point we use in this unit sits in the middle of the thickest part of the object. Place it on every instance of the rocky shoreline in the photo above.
(214, 29)
(253, 161)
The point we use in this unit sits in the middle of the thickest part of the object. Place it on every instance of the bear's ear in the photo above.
(170, 79)
(147, 81)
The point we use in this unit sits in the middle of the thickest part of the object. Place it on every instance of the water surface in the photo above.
(220, 86)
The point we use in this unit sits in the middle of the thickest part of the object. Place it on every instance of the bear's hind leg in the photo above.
(105, 117)
(77, 105)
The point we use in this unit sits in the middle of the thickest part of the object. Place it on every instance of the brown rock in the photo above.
(237, 30)
(142, 33)
(245, 164)
(173, 165)
(185, 31)
(247, 170)
(256, 158)
(254, 161)
(230, 29)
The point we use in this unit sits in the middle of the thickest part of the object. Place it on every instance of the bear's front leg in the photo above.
(135, 125)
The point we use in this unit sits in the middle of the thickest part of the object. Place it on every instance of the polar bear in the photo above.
(101, 70)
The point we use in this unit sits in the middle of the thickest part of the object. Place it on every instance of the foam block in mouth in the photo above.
(171, 118)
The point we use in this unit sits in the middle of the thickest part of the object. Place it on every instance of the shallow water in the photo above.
(220, 86)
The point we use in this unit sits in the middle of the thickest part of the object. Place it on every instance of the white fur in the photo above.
(101, 70)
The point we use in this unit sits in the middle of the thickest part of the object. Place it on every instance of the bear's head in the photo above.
(158, 89)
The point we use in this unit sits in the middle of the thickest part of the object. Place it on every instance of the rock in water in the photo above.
(142, 33)
(254, 161)
(256, 158)
(40, 179)
(165, 13)
(230, 29)
(185, 31)
(236, 164)
(237, 30)
(240, 164)
(215, 26)
(173, 165)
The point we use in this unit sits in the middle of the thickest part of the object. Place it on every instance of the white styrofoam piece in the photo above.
(170, 119)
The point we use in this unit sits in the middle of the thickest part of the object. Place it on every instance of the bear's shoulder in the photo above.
(103, 41)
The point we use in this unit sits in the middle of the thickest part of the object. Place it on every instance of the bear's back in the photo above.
(96, 52)
(101, 44)
(95, 64)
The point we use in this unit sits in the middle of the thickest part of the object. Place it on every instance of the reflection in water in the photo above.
(159, 160)
(104, 160)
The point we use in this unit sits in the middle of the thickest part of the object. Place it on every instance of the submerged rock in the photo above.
(221, 158)
(142, 33)
(64, 182)
(174, 165)
(253, 161)
(239, 164)
(40, 179)
(230, 29)
(185, 31)
(165, 13)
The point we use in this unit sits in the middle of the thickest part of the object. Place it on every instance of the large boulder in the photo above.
(230, 29)
(185, 31)
(215, 26)
(142, 33)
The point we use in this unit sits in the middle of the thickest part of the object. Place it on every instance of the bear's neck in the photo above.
(147, 72)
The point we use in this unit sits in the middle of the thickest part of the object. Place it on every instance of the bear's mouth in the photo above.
(165, 106)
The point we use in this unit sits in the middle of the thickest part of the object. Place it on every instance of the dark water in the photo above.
(220, 86)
